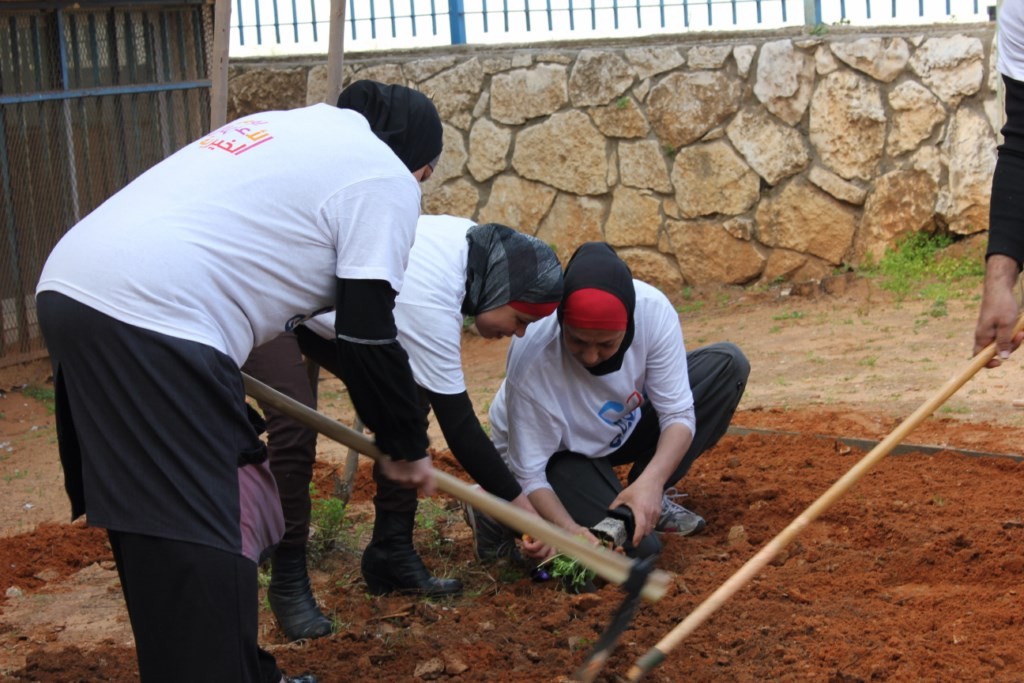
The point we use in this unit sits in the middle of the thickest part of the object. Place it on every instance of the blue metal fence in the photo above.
(267, 27)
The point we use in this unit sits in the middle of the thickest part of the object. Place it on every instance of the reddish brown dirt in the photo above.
(914, 574)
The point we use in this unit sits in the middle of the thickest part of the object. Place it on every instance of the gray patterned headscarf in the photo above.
(506, 266)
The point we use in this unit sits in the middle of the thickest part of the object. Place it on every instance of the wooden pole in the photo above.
(335, 52)
(607, 564)
(219, 64)
(657, 654)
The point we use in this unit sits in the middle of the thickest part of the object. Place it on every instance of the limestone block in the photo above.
(566, 151)
(316, 85)
(651, 61)
(841, 189)
(782, 265)
(773, 150)
(419, 70)
(805, 219)
(824, 61)
(634, 219)
(643, 164)
(707, 253)
(931, 160)
(901, 202)
(495, 64)
(658, 270)
(488, 149)
(970, 148)
(741, 228)
(784, 81)
(744, 56)
(384, 73)
(458, 198)
(952, 66)
(482, 104)
(572, 221)
(684, 106)
(555, 57)
(455, 91)
(453, 158)
(916, 113)
(708, 56)
(711, 178)
(269, 89)
(599, 77)
(622, 119)
(524, 94)
(880, 59)
(847, 125)
(517, 203)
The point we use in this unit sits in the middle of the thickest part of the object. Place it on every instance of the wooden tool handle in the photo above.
(608, 565)
(755, 564)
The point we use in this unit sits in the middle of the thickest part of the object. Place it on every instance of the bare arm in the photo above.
(999, 310)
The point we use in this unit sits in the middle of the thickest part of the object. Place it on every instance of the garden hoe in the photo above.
(657, 654)
(606, 563)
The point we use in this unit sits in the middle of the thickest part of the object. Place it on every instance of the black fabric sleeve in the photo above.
(367, 357)
(1006, 209)
(470, 445)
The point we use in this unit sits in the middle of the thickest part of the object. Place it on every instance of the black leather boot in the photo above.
(291, 595)
(390, 562)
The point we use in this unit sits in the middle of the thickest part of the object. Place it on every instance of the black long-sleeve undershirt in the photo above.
(367, 357)
(470, 444)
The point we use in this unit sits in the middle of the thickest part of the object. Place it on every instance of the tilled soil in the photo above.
(916, 573)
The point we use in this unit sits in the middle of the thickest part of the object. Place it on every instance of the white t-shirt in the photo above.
(548, 401)
(239, 236)
(1010, 26)
(428, 309)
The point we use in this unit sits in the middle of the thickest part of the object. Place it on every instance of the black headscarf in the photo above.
(405, 119)
(506, 265)
(595, 265)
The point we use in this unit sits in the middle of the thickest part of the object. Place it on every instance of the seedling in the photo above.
(573, 575)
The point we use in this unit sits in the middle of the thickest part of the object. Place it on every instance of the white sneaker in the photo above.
(675, 519)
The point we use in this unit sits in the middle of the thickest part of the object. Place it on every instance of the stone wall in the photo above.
(731, 159)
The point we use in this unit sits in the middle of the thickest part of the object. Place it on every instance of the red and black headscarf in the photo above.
(405, 119)
(598, 293)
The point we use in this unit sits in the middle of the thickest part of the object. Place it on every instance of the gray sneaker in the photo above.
(492, 540)
(675, 519)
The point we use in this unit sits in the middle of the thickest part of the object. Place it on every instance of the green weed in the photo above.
(790, 315)
(917, 266)
(329, 527)
(573, 574)
(42, 394)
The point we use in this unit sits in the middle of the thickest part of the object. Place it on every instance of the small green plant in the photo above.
(18, 474)
(868, 362)
(572, 573)
(328, 524)
(916, 266)
(790, 315)
(819, 30)
(42, 394)
(623, 102)
(670, 151)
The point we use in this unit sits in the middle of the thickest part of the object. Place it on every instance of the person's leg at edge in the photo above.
(390, 561)
(292, 451)
(587, 487)
(185, 598)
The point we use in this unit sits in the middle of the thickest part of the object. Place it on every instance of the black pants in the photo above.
(587, 486)
(182, 616)
(292, 446)
(279, 364)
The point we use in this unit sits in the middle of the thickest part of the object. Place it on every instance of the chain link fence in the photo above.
(90, 97)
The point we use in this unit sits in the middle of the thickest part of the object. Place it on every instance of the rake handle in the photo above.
(608, 565)
(755, 564)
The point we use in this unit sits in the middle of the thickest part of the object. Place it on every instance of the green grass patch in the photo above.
(918, 266)
(329, 525)
(42, 394)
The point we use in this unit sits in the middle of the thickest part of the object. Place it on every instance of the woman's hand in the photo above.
(411, 474)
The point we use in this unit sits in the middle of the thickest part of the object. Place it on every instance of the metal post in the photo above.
(457, 21)
(812, 12)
